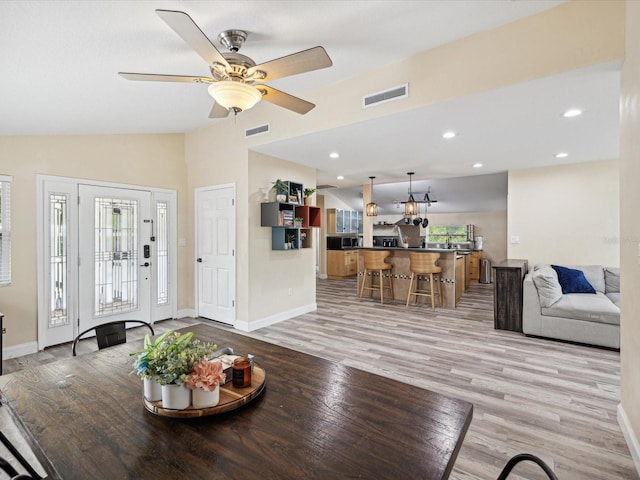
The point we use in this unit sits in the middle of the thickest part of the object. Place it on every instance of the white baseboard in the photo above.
(279, 317)
(629, 436)
(322, 276)
(19, 350)
(187, 312)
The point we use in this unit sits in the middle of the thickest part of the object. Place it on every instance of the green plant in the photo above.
(281, 187)
(172, 357)
(308, 192)
(298, 219)
(145, 364)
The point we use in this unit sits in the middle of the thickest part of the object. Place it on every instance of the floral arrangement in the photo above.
(206, 375)
(171, 357)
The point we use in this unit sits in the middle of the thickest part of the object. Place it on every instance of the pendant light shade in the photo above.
(372, 208)
(410, 206)
(235, 96)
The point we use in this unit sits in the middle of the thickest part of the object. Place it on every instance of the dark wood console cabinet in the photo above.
(507, 294)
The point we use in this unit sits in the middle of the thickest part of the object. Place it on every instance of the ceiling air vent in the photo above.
(395, 93)
(262, 129)
(324, 187)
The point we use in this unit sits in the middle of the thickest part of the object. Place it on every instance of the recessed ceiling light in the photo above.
(340, 177)
(562, 155)
(477, 165)
(334, 155)
(448, 134)
(574, 112)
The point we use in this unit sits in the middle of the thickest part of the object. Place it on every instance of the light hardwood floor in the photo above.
(551, 399)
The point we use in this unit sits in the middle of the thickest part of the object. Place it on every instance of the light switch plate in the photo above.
(515, 238)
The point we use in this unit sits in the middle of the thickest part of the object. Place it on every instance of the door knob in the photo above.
(145, 264)
(199, 260)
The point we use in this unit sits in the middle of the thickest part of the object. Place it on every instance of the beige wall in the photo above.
(279, 281)
(568, 214)
(630, 228)
(149, 160)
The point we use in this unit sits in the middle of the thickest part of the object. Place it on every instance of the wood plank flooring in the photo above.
(551, 399)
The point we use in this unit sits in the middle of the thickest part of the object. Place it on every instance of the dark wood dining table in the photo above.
(84, 418)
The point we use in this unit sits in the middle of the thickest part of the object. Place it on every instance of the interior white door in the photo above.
(114, 272)
(215, 253)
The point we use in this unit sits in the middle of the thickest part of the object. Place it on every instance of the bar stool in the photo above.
(425, 264)
(374, 261)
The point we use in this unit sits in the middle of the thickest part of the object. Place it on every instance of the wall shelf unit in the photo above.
(285, 235)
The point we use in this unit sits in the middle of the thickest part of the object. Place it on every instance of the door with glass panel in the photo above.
(115, 257)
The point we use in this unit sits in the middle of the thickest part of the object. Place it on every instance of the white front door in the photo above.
(114, 271)
(215, 253)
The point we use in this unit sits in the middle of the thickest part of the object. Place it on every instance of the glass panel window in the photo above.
(447, 233)
(58, 295)
(116, 261)
(162, 244)
(5, 229)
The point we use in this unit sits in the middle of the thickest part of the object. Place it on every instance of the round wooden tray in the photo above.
(230, 398)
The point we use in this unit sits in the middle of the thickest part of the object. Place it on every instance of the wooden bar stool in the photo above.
(374, 262)
(425, 264)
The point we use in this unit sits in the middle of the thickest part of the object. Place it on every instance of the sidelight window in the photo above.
(5, 229)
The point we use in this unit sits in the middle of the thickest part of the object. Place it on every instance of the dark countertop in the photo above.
(417, 249)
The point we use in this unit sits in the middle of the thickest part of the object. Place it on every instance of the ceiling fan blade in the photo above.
(218, 111)
(186, 28)
(304, 61)
(152, 77)
(284, 100)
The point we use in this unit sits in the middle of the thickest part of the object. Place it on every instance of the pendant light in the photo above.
(410, 206)
(372, 208)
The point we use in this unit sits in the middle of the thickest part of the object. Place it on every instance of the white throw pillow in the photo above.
(546, 281)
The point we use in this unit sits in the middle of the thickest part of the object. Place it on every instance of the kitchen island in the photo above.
(454, 264)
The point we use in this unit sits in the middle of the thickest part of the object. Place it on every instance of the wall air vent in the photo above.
(261, 130)
(324, 187)
(395, 93)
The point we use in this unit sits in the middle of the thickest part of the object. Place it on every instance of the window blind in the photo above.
(5, 229)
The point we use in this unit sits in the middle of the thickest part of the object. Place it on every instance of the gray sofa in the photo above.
(588, 318)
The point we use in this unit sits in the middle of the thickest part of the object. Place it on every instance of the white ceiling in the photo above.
(60, 61)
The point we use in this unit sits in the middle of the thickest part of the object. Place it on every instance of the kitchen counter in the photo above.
(452, 261)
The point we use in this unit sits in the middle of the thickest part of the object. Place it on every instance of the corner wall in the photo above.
(566, 215)
(629, 413)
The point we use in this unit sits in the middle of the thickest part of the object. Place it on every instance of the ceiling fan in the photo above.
(233, 82)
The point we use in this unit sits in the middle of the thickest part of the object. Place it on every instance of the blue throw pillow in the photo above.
(572, 280)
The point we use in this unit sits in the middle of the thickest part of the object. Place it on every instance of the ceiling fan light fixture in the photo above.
(235, 96)
(372, 207)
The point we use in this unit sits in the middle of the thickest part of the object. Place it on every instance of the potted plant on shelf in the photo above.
(297, 222)
(282, 190)
(204, 382)
(307, 195)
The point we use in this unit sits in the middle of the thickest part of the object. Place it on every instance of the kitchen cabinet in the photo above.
(344, 221)
(342, 263)
(474, 266)
(285, 234)
(508, 294)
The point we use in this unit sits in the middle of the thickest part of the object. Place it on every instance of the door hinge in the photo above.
(233, 252)
(78, 199)
(233, 202)
(78, 261)
(233, 303)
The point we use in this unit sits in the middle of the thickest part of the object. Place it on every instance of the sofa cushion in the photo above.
(545, 279)
(584, 306)
(611, 280)
(572, 280)
(594, 275)
(614, 297)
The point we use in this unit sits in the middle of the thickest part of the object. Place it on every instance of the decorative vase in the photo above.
(203, 399)
(281, 197)
(152, 389)
(307, 201)
(175, 397)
